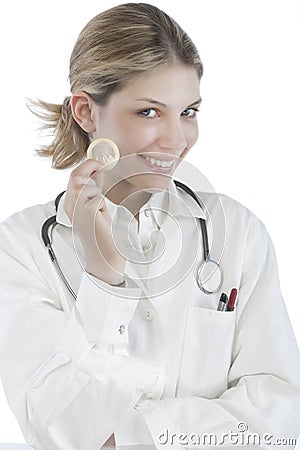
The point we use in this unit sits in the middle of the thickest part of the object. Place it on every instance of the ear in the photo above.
(82, 106)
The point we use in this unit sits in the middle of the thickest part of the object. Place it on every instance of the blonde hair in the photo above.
(112, 48)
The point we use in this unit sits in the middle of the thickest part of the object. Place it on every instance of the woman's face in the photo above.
(153, 120)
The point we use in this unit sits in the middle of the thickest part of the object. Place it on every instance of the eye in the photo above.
(190, 112)
(148, 113)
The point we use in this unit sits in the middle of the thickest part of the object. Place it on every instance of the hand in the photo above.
(86, 208)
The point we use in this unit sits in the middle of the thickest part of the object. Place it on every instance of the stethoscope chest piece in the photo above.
(209, 276)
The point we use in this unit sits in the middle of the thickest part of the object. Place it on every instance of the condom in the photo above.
(104, 150)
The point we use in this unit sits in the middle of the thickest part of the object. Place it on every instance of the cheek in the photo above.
(191, 136)
(194, 133)
(133, 136)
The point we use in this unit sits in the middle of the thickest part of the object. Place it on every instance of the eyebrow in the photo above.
(156, 102)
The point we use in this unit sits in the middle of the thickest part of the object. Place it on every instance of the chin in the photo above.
(153, 183)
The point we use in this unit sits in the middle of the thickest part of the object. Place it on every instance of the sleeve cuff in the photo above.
(105, 311)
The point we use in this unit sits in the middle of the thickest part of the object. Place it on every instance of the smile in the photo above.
(159, 162)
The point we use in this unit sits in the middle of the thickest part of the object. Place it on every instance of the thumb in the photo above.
(98, 178)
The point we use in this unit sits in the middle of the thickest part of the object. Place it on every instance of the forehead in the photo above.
(169, 84)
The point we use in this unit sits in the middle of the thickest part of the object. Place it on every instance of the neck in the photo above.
(128, 196)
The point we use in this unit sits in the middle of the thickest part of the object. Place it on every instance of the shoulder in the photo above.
(238, 220)
(230, 207)
(212, 200)
(26, 223)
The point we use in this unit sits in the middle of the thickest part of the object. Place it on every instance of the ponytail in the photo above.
(70, 140)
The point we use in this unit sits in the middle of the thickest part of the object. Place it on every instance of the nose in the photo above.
(172, 137)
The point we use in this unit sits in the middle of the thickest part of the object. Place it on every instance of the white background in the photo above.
(249, 120)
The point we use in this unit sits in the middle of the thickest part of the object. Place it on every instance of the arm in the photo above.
(68, 384)
(264, 377)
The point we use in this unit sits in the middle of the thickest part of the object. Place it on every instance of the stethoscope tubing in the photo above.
(50, 224)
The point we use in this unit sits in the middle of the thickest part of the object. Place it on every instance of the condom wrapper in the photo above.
(104, 150)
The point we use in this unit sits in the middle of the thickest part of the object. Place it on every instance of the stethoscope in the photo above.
(209, 275)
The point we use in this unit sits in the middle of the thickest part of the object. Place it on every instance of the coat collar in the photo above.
(173, 201)
(61, 215)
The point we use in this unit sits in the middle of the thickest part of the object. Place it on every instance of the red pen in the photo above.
(232, 299)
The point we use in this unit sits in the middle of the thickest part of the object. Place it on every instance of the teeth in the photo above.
(158, 162)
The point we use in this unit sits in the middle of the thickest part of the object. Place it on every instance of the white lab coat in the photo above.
(154, 362)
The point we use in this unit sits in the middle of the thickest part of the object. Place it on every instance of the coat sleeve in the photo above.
(263, 390)
(57, 367)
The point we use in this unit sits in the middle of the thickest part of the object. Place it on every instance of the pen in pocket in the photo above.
(222, 302)
(232, 299)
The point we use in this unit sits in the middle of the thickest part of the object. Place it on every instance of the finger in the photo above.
(83, 196)
(77, 182)
(98, 178)
(88, 192)
(87, 208)
(97, 203)
(79, 197)
(86, 170)
(92, 173)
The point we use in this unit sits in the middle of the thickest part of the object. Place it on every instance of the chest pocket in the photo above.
(206, 352)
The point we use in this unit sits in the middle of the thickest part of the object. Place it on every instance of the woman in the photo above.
(143, 356)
